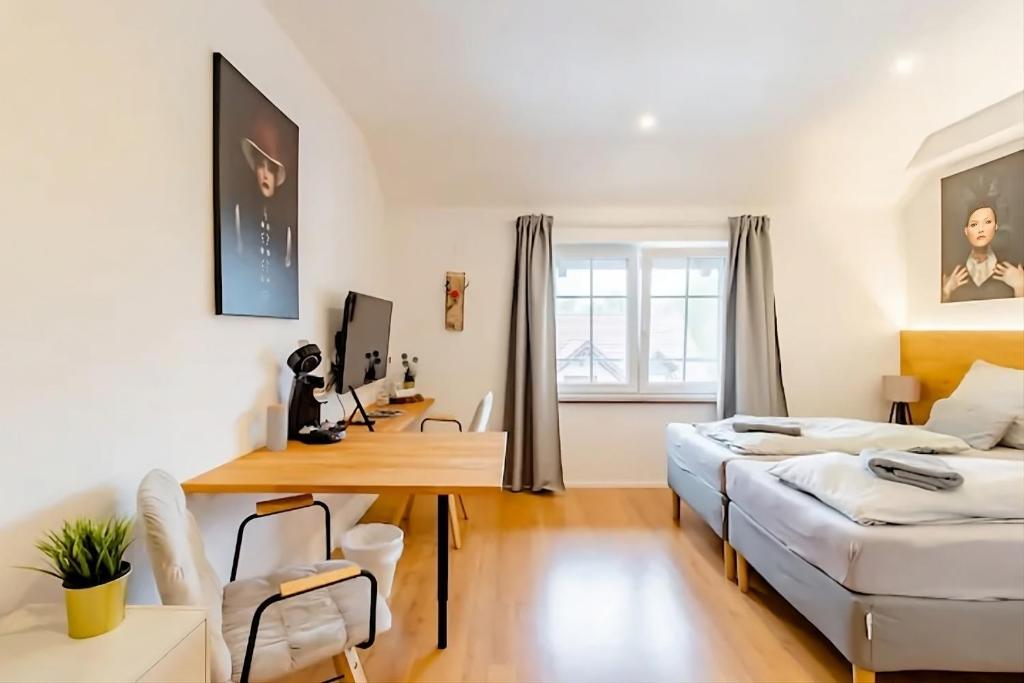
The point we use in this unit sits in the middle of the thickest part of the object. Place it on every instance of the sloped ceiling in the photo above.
(502, 102)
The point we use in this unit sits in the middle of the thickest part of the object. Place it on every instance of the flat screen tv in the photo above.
(362, 344)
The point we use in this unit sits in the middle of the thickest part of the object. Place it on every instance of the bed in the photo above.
(697, 463)
(696, 475)
(890, 598)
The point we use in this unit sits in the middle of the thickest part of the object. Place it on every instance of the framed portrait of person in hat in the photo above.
(983, 232)
(255, 171)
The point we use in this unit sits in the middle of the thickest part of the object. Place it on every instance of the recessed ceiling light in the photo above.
(646, 122)
(904, 66)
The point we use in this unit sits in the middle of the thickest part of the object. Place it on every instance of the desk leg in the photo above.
(442, 572)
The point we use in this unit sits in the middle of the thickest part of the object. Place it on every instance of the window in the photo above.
(595, 311)
(636, 321)
(682, 320)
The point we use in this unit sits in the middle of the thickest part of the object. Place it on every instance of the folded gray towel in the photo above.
(788, 429)
(916, 469)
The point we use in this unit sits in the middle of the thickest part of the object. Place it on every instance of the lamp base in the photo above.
(900, 414)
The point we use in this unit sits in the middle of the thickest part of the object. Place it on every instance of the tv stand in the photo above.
(367, 422)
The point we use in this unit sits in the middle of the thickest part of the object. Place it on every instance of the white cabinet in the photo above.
(153, 644)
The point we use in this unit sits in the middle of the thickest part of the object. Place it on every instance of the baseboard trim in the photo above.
(659, 484)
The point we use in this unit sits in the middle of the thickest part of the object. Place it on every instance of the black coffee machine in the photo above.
(303, 407)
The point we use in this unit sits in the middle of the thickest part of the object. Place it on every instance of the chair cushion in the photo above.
(301, 630)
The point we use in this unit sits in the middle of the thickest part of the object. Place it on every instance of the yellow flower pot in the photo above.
(98, 609)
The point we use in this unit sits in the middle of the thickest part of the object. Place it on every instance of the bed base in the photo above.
(884, 632)
(709, 504)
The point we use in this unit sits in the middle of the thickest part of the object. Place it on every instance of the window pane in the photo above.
(668, 277)
(609, 277)
(609, 371)
(702, 330)
(576, 371)
(668, 317)
(572, 328)
(610, 330)
(705, 276)
(701, 371)
(661, 371)
(572, 277)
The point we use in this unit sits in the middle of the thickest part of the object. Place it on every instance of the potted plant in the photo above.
(87, 555)
(409, 381)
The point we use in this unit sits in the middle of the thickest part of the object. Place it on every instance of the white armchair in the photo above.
(267, 627)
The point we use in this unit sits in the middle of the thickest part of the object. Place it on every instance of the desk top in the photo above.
(411, 415)
(364, 462)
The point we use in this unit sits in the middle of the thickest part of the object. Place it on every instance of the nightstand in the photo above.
(153, 644)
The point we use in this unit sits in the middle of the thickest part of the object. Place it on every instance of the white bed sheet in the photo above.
(997, 453)
(703, 457)
(706, 458)
(957, 561)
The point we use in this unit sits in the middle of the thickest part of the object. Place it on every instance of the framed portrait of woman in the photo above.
(983, 231)
(255, 175)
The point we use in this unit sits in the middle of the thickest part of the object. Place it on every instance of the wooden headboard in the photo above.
(941, 358)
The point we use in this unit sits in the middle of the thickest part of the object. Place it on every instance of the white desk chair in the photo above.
(455, 503)
(267, 627)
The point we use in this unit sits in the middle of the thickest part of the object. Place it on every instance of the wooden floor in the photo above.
(593, 585)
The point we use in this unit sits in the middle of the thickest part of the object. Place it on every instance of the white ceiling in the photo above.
(508, 102)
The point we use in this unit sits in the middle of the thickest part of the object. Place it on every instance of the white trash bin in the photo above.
(376, 548)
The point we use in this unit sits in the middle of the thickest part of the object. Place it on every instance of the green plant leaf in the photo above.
(85, 552)
(38, 569)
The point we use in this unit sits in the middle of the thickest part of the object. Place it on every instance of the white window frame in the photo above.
(648, 257)
(639, 258)
(607, 251)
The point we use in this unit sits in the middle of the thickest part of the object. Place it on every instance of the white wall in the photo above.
(839, 300)
(922, 225)
(838, 286)
(112, 358)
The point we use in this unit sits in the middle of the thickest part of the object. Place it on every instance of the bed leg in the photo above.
(862, 675)
(675, 508)
(729, 556)
(742, 573)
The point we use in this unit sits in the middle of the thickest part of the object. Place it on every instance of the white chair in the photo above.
(478, 424)
(267, 627)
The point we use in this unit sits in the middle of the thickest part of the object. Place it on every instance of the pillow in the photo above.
(982, 426)
(1000, 388)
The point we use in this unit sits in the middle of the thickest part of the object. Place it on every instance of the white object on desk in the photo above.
(277, 427)
(152, 644)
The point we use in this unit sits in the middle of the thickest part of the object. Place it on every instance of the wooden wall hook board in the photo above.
(455, 300)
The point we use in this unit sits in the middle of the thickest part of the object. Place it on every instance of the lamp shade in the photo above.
(901, 388)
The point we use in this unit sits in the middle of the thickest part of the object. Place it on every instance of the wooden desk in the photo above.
(365, 462)
(411, 415)
(441, 464)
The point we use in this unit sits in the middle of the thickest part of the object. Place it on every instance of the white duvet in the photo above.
(824, 434)
(993, 490)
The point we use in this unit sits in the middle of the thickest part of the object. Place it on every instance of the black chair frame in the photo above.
(254, 628)
(250, 647)
(245, 522)
(440, 419)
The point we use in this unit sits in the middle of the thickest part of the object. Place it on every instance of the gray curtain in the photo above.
(751, 367)
(533, 461)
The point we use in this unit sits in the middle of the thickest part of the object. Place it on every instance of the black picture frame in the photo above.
(255, 196)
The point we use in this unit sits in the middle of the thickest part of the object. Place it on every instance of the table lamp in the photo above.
(901, 390)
